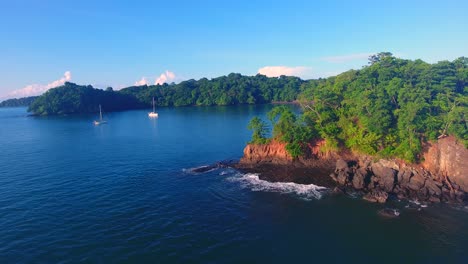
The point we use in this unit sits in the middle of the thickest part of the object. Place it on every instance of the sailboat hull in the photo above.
(97, 123)
(153, 114)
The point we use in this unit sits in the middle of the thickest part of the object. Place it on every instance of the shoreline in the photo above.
(440, 178)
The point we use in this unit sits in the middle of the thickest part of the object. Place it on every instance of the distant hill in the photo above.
(16, 102)
(233, 89)
(71, 98)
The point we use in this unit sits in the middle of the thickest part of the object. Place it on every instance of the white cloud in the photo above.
(37, 89)
(141, 82)
(347, 58)
(165, 77)
(276, 71)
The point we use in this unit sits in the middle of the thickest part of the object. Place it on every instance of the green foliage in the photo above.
(233, 89)
(391, 107)
(288, 128)
(260, 131)
(72, 99)
(25, 101)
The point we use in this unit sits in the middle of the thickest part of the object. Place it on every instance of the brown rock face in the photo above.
(273, 152)
(442, 177)
(448, 158)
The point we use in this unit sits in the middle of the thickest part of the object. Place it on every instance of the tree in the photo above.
(260, 130)
(379, 57)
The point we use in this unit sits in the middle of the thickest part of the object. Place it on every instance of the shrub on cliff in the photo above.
(260, 131)
(287, 128)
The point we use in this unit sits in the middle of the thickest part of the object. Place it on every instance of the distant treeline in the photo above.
(25, 101)
(233, 89)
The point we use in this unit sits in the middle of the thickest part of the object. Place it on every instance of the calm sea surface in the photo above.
(123, 192)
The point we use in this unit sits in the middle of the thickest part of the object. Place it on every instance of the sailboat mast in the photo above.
(154, 109)
(100, 113)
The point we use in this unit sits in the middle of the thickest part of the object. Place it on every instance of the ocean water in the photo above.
(124, 192)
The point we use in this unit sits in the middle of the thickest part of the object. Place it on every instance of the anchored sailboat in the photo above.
(153, 114)
(100, 121)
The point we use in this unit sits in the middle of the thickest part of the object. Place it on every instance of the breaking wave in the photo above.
(254, 183)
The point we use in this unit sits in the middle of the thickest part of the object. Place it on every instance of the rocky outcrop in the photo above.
(448, 158)
(379, 179)
(273, 152)
(442, 177)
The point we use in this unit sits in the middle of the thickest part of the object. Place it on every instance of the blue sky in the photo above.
(117, 43)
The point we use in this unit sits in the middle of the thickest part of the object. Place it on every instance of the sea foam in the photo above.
(254, 183)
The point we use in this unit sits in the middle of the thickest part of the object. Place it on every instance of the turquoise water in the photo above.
(123, 192)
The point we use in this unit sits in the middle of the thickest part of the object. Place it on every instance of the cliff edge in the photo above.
(441, 177)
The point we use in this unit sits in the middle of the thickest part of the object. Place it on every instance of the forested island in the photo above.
(387, 109)
(395, 127)
(233, 89)
(16, 102)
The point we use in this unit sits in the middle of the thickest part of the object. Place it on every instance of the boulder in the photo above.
(386, 176)
(432, 187)
(416, 182)
(358, 180)
(404, 176)
(376, 196)
(341, 165)
(342, 177)
(389, 212)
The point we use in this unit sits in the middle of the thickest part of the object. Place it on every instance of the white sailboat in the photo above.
(100, 121)
(153, 114)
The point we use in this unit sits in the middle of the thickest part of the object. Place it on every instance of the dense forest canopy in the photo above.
(25, 101)
(226, 90)
(72, 99)
(388, 108)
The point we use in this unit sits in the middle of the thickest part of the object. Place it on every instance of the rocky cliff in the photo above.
(448, 158)
(442, 176)
(273, 152)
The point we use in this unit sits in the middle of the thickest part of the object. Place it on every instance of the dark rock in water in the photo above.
(203, 169)
(389, 212)
(376, 196)
(338, 190)
(217, 165)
